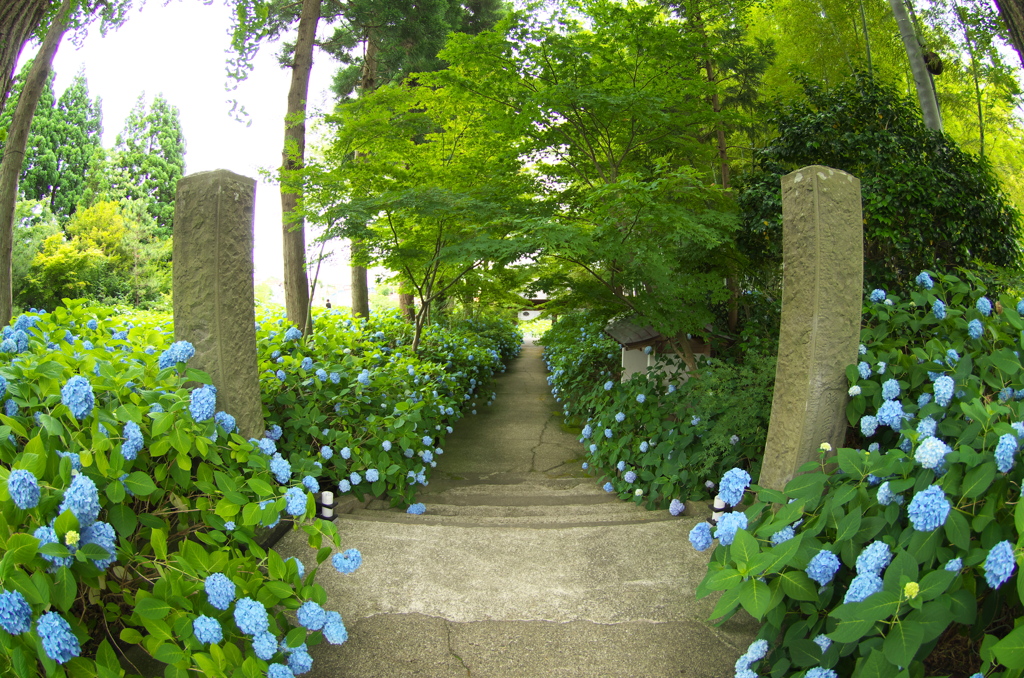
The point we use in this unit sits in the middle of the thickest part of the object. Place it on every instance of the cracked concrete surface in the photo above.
(517, 571)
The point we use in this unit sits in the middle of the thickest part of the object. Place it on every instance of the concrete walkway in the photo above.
(521, 567)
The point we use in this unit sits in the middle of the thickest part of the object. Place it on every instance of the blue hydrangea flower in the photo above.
(975, 329)
(76, 394)
(298, 564)
(311, 484)
(300, 661)
(59, 642)
(3, 386)
(890, 389)
(229, 525)
(132, 441)
(823, 567)
(700, 536)
(728, 525)
(280, 374)
(335, 378)
(644, 446)
(862, 586)
(984, 306)
(46, 535)
(676, 507)
(877, 296)
(608, 487)
(364, 378)
(264, 645)
(251, 616)
(264, 504)
(334, 630)
(1000, 564)
(854, 391)
(928, 509)
(344, 486)
(1005, 451)
(178, 352)
(83, 499)
(416, 509)
(220, 591)
(863, 369)
(819, 672)
(931, 451)
(783, 535)
(203, 403)
(891, 414)
(939, 309)
(1020, 307)
(943, 390)
(926, 427)
(349, 561)
(292, 334)
(207, 629)
(101, 534)
(823, 641)
(620, 417)
(924, 280)
(296, 499)
(279, 671)
(225, 421)
(372, 475)
(326, 452)
(734, 484)
(608, 385)
(640, 398)
(354, 478)
(1006, 394)
(630, 477)
(587, 431)
(92, 324)
(868, 425)
(585, 466)
(886, 495)
(311, 616)
(875, 557)
(952, 357)
(923, 400)
(307, 364)
(621, 466)
(15, 612)
(955, 565)
(23, 488)
(281, 469)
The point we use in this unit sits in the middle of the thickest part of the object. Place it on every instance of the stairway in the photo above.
(521, 566)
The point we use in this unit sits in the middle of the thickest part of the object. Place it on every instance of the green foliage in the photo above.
(197, 499)
(612, 120)
(150, 152)
(926, 203)
(64, 134)
(674, 434)
(838, 505)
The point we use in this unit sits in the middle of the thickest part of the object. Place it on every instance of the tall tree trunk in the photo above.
(14, 151)
(1012, 12)
(922, 81)
(360, 290)
(407, 306)
(18, 20)
(296, 283)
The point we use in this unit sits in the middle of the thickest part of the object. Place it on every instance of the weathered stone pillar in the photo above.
(823, 273)
(214, 307)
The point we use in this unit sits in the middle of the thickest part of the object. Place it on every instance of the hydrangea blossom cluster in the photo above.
(928, 509)
(133, 442)
(416, 509)
(59, 642)
(1000, 564)
(281, 469)
(700, 536)
(207, 629)
(676, 507)
(823, 567)
(1006, 449)
(728, 525)
(312, 616)
(225, 421)
(82, 499)
(924, 280)
(178, 352)
(296, 501)
(939, 309)
(943, 388)
(877, 296)
(755, 653)
(23, 488)
(203, 403)
(931, 452)
(734, 484)
(15, 612)
(975, 329)
(292, 334)
(220, 591)
(349, 560)
(77, 395)
(251, 616)
(890, 389)
(984, 306)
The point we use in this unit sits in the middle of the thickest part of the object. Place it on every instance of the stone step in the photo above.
(516, 516)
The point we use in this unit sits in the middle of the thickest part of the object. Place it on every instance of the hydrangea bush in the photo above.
(868, 557)
(131, 507)
(662, 437)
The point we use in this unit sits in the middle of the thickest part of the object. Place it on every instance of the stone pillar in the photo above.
(214, 305)
(822, 297)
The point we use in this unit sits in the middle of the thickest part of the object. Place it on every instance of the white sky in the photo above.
(179, 51)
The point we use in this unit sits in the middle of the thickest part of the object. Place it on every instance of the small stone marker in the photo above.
(214, 305)
(822, 291)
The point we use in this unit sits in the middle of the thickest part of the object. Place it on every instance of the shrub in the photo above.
(923, 525)
(131, 508)
(671, 438)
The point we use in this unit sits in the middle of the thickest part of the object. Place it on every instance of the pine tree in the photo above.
(150, 153)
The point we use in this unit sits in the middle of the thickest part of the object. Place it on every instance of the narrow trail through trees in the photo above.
(521, 565)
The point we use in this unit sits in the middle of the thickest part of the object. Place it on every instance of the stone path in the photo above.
(522, 566)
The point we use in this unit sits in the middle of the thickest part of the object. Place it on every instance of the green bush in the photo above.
(923, 526)
(674, 435)
(121, 492)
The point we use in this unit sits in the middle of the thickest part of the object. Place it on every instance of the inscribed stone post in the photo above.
(823, 273)
(214, 305)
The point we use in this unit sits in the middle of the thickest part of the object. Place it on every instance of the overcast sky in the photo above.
(179, 51)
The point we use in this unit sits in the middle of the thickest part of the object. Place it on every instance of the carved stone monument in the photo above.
(214, 306)
(823, 273)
